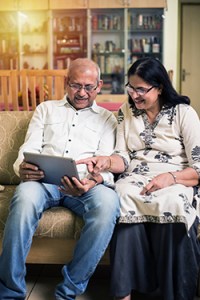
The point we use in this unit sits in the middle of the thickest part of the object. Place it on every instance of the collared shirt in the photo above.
(57, 128)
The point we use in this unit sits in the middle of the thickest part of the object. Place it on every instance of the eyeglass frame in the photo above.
(136, 89)
(80, 87)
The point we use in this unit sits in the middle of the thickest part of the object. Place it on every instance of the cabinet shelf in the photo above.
(119, 53)
(145, 53)
(34, 53)
(68, 45)
(7, 55)
(68, 32)
(5, 33)
(33, 32)
(64, 55)
(117, 31)
(145, 31)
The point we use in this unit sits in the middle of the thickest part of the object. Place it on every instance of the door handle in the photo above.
(184, 74)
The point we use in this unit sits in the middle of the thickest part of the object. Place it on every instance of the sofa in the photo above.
(59, 228)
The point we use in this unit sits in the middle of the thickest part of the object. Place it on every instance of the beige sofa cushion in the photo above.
(57, 222)
(13, 126)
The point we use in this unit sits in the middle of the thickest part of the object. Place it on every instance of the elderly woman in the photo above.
(155, 245)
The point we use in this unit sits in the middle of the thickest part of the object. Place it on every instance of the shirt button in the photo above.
(66, 151)
(73, 125)
(69, 140)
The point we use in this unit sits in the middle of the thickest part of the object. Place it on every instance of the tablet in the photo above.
(54, 167)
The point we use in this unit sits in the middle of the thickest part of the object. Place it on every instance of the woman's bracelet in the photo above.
(174, 176)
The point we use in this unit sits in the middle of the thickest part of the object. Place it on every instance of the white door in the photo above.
(190, 55)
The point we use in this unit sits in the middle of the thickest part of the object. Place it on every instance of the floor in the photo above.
(42, 279)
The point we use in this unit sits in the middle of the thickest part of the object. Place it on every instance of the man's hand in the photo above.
(74, 187)
(29, 172)
(96, 164)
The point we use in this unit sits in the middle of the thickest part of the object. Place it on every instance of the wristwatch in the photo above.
(93, 179)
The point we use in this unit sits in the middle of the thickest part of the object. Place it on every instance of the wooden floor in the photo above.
(42, 279)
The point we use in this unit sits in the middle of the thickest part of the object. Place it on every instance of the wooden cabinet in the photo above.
(49, 34)
(9, 43)
(146, 3)
(106, 3)
(119, 37)
(9, 5)
(33, 5)
(66, 4)
(34, 41)
(127, 3)
(14, 5)
(69, 36)
(107, 47)
(145, 33)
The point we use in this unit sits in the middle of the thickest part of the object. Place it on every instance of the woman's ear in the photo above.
(160, 90)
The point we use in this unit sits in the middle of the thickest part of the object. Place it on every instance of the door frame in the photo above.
(180, 34)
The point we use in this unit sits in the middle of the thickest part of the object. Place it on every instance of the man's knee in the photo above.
(27, 194)
(108, 203)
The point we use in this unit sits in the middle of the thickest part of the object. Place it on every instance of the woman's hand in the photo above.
(159, 182)
(187, 177)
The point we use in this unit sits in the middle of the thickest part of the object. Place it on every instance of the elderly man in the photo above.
(72, 127)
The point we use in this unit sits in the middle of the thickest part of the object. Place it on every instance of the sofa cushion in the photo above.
(13, 126)
(58, 222)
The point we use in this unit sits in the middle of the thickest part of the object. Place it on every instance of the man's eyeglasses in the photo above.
(140, 91)
(89, 88)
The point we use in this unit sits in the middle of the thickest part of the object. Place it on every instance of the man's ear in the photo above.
(99, 86)
(66, 81)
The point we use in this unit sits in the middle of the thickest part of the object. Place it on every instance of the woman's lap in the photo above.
(147, 256)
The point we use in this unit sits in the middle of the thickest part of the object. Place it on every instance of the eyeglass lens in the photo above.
(87, 88)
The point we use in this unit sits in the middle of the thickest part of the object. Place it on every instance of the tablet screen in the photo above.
(54, 167)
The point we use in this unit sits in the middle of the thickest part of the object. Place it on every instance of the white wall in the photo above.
(171, 40)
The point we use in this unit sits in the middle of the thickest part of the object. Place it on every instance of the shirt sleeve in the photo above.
(106, 146)
(33, 139)
(123, 129)
(190, 131)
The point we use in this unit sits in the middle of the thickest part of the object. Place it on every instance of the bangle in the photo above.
(174, 176)
(93, 179)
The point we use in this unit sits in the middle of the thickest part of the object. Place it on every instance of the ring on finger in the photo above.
(26, 176)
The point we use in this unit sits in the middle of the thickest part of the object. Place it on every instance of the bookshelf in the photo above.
(108, 47)
(121, 36)
(33, 39)
(145, 32)
(9, 54)
(69, 37)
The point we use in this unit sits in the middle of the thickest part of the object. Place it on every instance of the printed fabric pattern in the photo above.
(170, 144)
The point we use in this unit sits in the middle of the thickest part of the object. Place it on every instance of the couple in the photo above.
(154, 245)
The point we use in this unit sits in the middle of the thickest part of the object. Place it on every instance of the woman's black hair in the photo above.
(152, 71)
